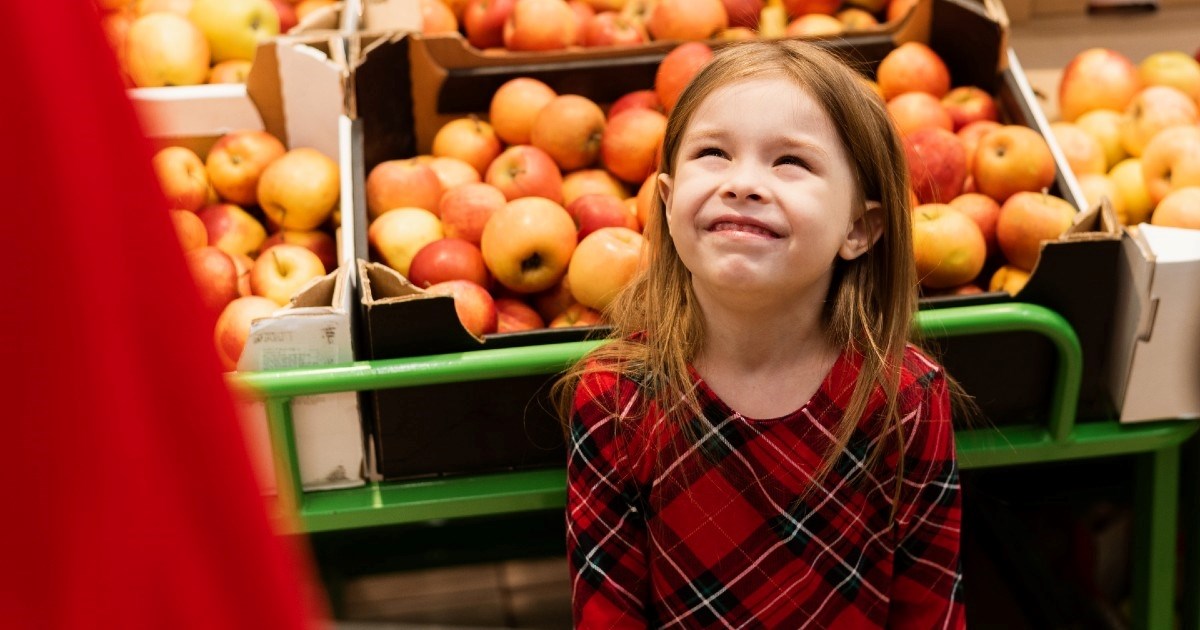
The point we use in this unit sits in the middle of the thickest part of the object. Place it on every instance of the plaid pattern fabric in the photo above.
(726, 531)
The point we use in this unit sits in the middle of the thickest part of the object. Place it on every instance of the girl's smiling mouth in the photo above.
(743, 225)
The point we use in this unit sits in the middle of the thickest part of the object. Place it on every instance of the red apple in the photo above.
(474, 305)
(483, 21)
(281, 271)
(468, 139)
(215, 275)
(448, 259)
(743, 13)
(540, 25)
(569, 129)
(594, 181)
(232, 229)
(632, 142)
(244, 264)
(437, 17)
(515, 106)
(611, 29)
(937, 164)
(287, 15)
(236, 162)
(984, 211)
(912, 67)
(528, 243)
(677, 69)
(315, 241)
(182, 177)
(576, 315)
(970, 135)
(948, 246)
(402, 184)
(686, 19)
(592, 212)
(1012, 159)
(1027, 219)
(917, 110)
(553, 301)
(513, 315)
(525, 171)
(397, 235)
(798, 8)
(466, 209)
(584, 14)
(605, 261)
(967, 104)
(233, 326)
(647, 99)
(189, 229)
(1097, 78)
(300, 189)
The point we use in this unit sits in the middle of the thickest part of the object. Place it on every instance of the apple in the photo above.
(525, 171)
(584, 14)
(1083, 154)
(474, 305)
(1127, 176)
(814, 25)
(610, 28)
(569, 129)
(234, 28)
(1171, 161)
(1012, 159)
(464, 210)
(963, 289)
(315, 241)
(146, 7)
(606, 5)
(515, 106)
(970, 135)
(1027, 219)
(540, 25)
(948, 246)
(647, 99)
(281, 271)
(513, 315)
(1180, 208)
(912, 111)
(553, 301)
(899, 9)
(453, 172)
(244, 264)
(448, 259)
(528, 243)
(592, 212)
(437, 18)
(645, 199)
(182, 177)
(468, 139)
(236, 162)
(164, 49)
(215, 275)
(1096, 78)
(591, 181)
(304, 8)
(605, 261)
(230, 71)
(189, 229)
(402, 184)
(398, 234)
(576, 315)
(855, 19)
(984, 211)
(1172, 68)
(233, 326)
(1008, 278)
(967, 104)
(286, 13)
(912, 67)
(115, 25)
(677, 69)
(232, 229)
(1152, 110)
(300, 189)
(937, 164)
(800, 8)
(743, 13)
(1097, 186)
(686, 19)
(1104, 126)
(483, 21)
(632, 144)
(459, 7)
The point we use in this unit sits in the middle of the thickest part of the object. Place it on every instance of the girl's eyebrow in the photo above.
(705, 133)
(803, 144)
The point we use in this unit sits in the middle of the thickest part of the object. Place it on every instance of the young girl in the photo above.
(759, 446)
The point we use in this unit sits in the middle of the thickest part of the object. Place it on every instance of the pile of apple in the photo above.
(241, 272)
(1131, 133)
(979, 184)
(532, 25)
(189, 42)
(532, 217)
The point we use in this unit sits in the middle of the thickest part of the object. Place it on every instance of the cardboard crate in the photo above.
(296, 91)
(1155, 361)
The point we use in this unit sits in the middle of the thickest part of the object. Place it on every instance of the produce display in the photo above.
(1131, 133)
(255, 221)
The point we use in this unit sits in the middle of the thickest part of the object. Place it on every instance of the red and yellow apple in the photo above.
(647, 99)
(1173, 68)
(437, 17)
(236, 162)
(474, 305)
(592, 212)
(1104, 126)
(465, 210)
(215, 275)
(513, 315)
(525, 171)
(970, 135)
(948, 246)
(1180, 208)
(610, 28)
(605, 261)
(967, 104)
(1012, 159)
(1027, 219)
(912, 67)
(281, 271)
(316, 241)
(300, 189)
(937, 164)
(232, 229)
(686, 19)
(677, 69)
(402, 184)
(1097, 78)
(632, 142)
(569, 129)
(515, 106)
(913, 111)
(468, 139)
(576, 315)
(483, 21)
(182, 177)
(1152, 110)
(1083, 154)
(189, 229)
(163, 49)
(594, 181)
(453, 172)
(1126, 175)
(448, 259)
(398, 234)
(1171, 161)
(528, 244)
(233, 326)
(540, 25)
(984, 211)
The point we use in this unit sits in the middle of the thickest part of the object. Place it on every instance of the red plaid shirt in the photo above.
(662, 532)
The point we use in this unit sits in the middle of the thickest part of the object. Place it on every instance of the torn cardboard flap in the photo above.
(392, 15)
(403, 320)
(323, 18)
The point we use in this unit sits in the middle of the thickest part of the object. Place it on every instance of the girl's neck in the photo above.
(764, 337)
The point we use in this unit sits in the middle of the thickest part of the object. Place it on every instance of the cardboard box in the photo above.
(1155, 361)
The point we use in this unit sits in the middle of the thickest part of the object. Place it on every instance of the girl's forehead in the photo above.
(747, 101)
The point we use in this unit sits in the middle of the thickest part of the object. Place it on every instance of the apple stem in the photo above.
(278, 264)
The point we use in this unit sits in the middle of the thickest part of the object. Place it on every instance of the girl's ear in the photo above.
(664, 190)
(863, 232)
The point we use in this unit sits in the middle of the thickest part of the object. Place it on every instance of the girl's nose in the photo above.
(744, 185)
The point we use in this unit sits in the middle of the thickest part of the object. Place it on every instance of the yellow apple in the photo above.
(1174, 68)
(182, 177)
(948, 246)
(234, 28)
(604, 262)
(1084, 155)
(1027, 219)
(299, 190)
(1008, 278)
(515, 106)
(528, 244)
(190, 230)
(1104, 126)
(1180, 209)
(1153, 109)
(1127, 176)
(1097, 78)
(233, 326)
(398, 234)
(163, 49)
(1096, 187)
(281, 271)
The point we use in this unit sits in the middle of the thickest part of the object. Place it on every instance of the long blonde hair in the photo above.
(657, 330)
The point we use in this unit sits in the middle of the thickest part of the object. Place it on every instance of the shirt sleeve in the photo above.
(606, 531)
(927, 579)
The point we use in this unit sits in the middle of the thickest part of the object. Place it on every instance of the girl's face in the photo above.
(762, 195)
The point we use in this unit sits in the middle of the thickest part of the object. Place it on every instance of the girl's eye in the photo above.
(710, 151)
(791, 160)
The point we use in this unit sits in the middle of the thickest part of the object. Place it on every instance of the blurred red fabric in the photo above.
(130, 501)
